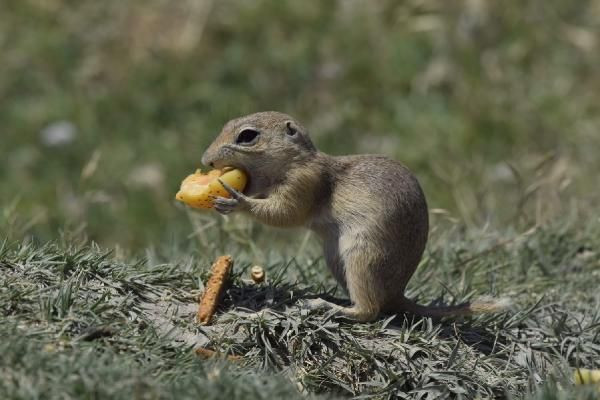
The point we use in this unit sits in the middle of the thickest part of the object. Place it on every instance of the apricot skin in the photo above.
(198, 189)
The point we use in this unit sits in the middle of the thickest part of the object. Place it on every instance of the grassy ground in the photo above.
(75, 318)
(105, 106)
(494, 105)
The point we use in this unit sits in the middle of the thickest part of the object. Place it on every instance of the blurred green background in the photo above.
(106, 106)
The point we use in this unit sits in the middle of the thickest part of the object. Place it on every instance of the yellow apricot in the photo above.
(197, 189)
(586, 376)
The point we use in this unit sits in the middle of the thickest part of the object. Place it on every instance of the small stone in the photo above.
(59, 133)
(257, 273)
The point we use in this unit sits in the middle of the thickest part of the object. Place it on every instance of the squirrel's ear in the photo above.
(291, 128)
(296, 134)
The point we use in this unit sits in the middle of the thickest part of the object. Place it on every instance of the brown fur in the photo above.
(369, 210)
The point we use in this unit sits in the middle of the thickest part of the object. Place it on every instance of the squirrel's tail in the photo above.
(479, 306)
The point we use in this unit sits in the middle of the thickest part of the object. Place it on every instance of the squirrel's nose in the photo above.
(207, 161)
(213, 159)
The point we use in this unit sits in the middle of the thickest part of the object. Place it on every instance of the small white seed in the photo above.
(257, 274)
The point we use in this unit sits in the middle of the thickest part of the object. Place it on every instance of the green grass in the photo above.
(75, 317)
(494, 105)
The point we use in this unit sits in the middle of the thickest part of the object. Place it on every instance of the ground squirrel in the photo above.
(369, 210)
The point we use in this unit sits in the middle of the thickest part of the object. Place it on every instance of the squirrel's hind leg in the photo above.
(355, 313)
(365, 292)
(352, 264)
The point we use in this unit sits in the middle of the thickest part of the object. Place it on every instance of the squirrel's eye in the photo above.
(247, 137)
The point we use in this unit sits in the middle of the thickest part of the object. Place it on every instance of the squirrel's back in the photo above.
(379, 198)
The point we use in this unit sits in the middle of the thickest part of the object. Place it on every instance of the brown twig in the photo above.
(214, 289)
(205, 353)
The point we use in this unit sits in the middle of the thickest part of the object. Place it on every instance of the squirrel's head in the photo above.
(266, 142)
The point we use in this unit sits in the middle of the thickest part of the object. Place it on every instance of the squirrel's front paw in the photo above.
(237, 202)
